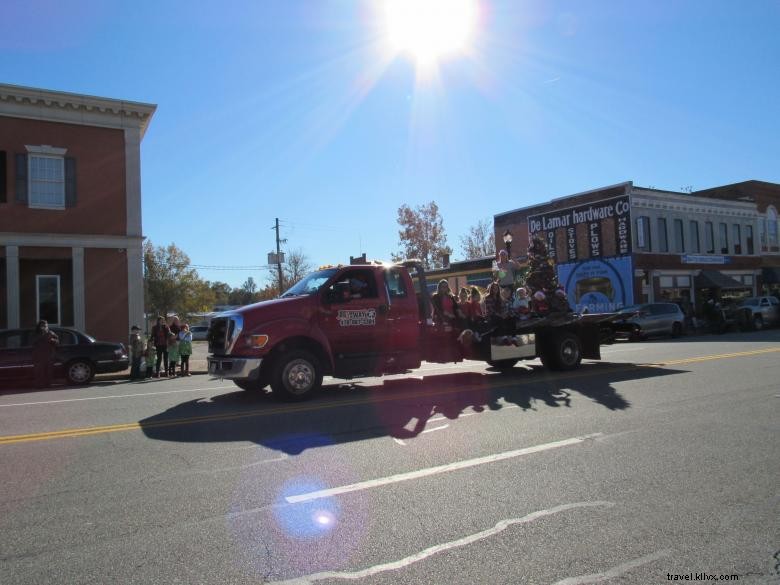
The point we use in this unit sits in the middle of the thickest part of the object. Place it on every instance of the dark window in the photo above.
(737, 235)
(3, 175)
(694, 237)
(66, 337)
(362, 283)
(396, 286)
(709, 237)
(663, 240)
(724, 238)
(679, 236)
(13, 339)
(749, 239)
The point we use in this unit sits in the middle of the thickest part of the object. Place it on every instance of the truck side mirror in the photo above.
(339, 292)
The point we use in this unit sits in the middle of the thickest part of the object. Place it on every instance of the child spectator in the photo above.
(521, 304)
(136, 352)
(173, 354)
(150, 355)
(185, 349)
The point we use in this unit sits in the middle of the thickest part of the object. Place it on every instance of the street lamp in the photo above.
(508, 242)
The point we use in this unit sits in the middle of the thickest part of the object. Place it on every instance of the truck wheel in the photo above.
(297, 375)
(502, 365)
(562, 352)
(758, 322)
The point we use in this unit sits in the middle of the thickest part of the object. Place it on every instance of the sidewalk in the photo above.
(198, 365)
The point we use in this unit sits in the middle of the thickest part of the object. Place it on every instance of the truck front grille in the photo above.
(223, 333)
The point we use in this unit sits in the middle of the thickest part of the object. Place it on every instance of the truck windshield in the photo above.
(310, 284)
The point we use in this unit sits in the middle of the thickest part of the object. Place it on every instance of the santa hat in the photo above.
(539, 295)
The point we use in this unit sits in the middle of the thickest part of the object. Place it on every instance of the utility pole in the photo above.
(279, 258)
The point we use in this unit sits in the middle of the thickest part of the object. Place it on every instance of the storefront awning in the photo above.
(716, 279)
(770, 275)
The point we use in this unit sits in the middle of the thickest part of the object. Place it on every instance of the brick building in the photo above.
(624, 244)
(70, 210)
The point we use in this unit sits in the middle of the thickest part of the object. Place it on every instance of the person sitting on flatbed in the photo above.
(446, 310)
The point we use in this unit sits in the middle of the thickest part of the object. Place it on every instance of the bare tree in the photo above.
(479, 242)
(422, 235)
(296, 266)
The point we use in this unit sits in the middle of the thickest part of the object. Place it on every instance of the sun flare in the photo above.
(430, 30)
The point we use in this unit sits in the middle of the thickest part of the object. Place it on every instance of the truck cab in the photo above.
(344, 321)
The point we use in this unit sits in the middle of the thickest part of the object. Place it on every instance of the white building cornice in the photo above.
(56, 106)
(69, 240)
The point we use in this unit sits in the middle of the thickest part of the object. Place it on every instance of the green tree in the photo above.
(422, 235)
(172, 286)
(221, 292)
(479, 241)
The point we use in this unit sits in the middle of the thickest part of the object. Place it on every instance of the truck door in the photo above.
(353, 316)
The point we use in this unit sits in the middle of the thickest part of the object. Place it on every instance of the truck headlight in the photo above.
(256, 341)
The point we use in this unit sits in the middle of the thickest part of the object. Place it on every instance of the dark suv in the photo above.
(77, 359)
(651, 319)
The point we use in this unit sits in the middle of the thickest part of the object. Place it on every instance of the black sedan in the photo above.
(77, 359)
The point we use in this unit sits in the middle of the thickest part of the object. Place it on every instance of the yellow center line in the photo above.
(534, 378)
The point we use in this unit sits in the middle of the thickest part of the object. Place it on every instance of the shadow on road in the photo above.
(398, 408)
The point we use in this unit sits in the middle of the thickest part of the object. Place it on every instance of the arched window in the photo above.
(771, 225)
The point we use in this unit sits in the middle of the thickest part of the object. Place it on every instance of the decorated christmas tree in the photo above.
(542, 279)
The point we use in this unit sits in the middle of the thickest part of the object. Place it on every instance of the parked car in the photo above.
(77, 359)
(761, 312)
(642, 321)
(199, 332)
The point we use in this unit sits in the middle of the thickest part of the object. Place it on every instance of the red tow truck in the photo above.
(319, 327)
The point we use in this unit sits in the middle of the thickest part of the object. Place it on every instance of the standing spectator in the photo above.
(160, 334)
(149, 357)
(136, 352)
(185, 349)
(44, 345)
(173, 354)
(504, 270)
(175, 326)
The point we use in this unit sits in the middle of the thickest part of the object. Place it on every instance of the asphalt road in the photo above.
(660, 461)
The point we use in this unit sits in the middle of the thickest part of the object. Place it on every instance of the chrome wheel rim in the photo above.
(299, 375)
(569, 352)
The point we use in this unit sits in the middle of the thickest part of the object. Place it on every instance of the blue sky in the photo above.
(293, 109)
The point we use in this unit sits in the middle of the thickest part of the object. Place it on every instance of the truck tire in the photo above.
(503, 365)
(297, 375)
(562, 352)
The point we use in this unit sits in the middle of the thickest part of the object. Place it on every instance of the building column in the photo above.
(79, 302)
(133, 180)
(135, 286)
(12, 284)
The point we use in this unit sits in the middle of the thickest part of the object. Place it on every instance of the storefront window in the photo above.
(679, 236)
(694, 237)
(724, 238)
(663, 242)
(709, 235)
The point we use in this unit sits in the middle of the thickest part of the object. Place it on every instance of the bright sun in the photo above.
(430, 29)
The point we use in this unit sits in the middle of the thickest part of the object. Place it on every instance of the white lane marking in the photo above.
(399, 441)
(435, 429)
(615, 571)
(428, 552)
(372, 483)
(117, 396)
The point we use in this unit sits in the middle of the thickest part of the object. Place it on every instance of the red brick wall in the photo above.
(100, 178)
(106, 297)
